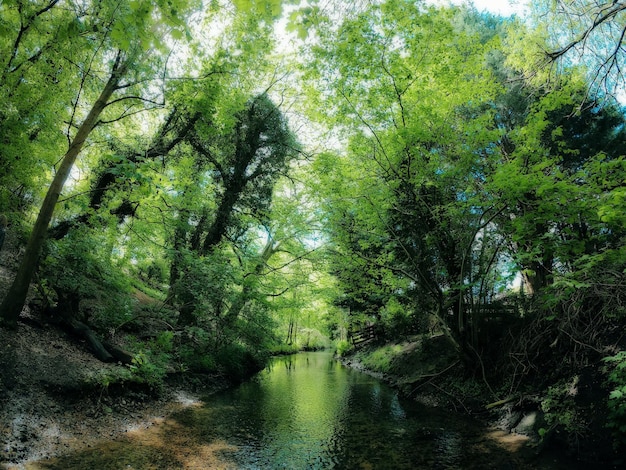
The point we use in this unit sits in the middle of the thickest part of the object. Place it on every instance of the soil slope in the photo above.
(53, 397)
(52, 400)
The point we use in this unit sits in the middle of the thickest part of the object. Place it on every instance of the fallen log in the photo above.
(495, 404)
(118, 353)
(103, 350)
(83, 331)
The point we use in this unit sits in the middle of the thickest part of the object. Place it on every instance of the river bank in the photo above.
(54, 397)
(52, 406)
(425, 369)
(303, 411)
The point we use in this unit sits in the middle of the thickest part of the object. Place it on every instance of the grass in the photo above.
(381, 359)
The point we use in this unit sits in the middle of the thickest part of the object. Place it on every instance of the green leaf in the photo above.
(120, 36)
(177, 34)
(243, 5)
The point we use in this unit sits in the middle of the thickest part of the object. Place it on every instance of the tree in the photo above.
(552, 132)
(591, 33)
(111, 40)
(414, 204)
(245, 168)
(12, 305)
(34, 36)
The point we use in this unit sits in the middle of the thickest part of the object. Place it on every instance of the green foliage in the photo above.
(311, 339)
(617, 396)
(381, 359)
(152, 361)
(157, 272)
(415, 234)
(208, 283)
(343, 347)
(195, 359)
(239, 362)
(164, 342)
(399, 320)
(149, 367)
(104, 378)
(80, 267)
(560, 410)
(445, 173)
(283, 349)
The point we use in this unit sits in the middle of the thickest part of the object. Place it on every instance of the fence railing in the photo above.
(365, 335)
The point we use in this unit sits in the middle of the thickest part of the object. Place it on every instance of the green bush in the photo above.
(560, 410)
(617, 396)
(283, 348)
(156, 271)
(342, 347)
(152, 360)
(149, 367)
(165, 341)
(195, 360)
(397, 320)
(79, 268)
(379, 360)
(105, 377)
(238, 363)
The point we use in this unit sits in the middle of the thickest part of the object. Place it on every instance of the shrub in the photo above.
(238, 363)
(283, 348)
(379, 360)
(79, 267)
(617, 396)
(195, 360)
(560, 409)
(342, 347)
(149, 367)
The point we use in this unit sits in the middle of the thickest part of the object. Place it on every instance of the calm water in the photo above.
(309, 411)
(304, 412)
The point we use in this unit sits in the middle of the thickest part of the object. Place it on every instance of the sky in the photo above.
(501, 7)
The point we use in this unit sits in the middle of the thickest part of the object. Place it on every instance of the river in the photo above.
(305, 411)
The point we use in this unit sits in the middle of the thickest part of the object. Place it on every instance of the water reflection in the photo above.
(303, 412)
(308, 411)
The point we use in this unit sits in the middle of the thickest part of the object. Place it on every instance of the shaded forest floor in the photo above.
(52, 399)
(426, 369)
(55, 396)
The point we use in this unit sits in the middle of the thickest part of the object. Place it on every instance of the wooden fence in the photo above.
(365, 335)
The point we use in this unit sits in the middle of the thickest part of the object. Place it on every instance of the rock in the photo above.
(530, 423)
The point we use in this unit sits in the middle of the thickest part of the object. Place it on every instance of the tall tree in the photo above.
(418, 134)
(592, 33)
(245, 168)
(112, 31)
(12, 304)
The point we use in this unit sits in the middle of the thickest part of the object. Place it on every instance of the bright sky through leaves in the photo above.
(500, 7)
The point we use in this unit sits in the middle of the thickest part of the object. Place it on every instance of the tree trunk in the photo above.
(537, 275)
(14, 301)
(250, 280)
